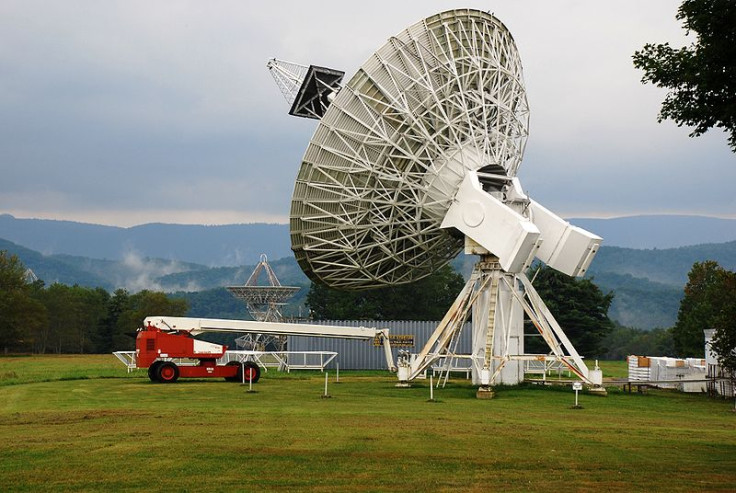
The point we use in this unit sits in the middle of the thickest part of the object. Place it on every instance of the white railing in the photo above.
(127, 358)
(545, 368)
(459, 363)
(283, 360)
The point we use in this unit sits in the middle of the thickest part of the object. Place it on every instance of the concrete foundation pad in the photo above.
(485, 393)
(599, 391)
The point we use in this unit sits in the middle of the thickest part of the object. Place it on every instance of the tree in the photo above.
(20, 314)
(701, 77)
(108, 337)
(426, 299)
(698, 308)
(723, 343)
(139, 306)
(624, 341)
(578, 305)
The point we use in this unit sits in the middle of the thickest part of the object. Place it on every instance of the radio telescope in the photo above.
(415, 158)
(264, 304)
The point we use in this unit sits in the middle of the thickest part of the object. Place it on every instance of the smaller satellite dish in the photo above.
(263, 301)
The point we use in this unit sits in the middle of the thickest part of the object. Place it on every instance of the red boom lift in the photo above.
(164, 339)
(155, 349)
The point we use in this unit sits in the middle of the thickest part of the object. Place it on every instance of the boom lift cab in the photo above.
(156, 349)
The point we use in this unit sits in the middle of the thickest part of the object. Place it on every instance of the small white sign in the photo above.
(577, 386)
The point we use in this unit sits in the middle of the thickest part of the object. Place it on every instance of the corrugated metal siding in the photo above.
(364, 355)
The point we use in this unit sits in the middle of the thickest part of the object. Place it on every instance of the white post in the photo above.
(337, 377)
(431, 389)
(326, 374)
(577, 386)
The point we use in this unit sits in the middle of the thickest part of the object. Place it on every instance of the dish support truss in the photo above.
(498, 301)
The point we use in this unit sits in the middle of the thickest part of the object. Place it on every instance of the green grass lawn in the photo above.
(107, 430)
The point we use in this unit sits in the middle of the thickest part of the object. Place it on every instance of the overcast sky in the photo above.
(127, 112)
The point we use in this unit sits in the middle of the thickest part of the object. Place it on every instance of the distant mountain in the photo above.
(229, 245)
(203, 287)
(133, 273)
(660, 231)
(647, 283)
(287, 271)
(640, 302)
(54, 269)
(666, 266)
(241, 244)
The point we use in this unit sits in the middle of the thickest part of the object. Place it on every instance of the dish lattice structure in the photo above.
(443, 96)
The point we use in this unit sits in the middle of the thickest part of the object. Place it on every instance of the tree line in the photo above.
(71, 319)
(579, 306)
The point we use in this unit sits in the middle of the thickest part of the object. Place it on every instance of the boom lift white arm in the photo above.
(195, 326)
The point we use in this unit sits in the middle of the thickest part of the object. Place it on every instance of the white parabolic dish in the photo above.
(441, 98)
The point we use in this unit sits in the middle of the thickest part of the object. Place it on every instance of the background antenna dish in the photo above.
(263, 302)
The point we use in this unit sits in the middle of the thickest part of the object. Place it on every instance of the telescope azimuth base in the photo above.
(498, 301)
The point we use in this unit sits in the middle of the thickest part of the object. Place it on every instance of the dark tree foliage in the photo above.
(709, 303)
(426, 299)
(580, 308)
(19, 312)
(624, 341)
(109, 337)
(697, 309)
(137, 307)
(724, 322)
(71, 319)
(73, 316)
(701, 78)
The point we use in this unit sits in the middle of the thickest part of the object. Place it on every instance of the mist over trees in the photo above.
(71, 319)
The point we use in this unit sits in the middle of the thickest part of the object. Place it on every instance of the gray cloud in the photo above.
(129, 112)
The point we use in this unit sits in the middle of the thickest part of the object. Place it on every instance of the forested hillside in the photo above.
(667, 266)
(647, 284)
(241, 244)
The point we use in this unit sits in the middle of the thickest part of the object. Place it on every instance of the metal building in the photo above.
(406, 335)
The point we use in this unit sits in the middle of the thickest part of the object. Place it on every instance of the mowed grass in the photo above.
(119, 432)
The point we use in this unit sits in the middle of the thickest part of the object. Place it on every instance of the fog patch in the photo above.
(144, 273)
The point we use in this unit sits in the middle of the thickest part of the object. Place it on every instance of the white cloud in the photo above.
(124, 111)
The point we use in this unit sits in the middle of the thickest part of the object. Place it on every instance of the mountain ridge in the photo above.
(237, 244)
(647, 283)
